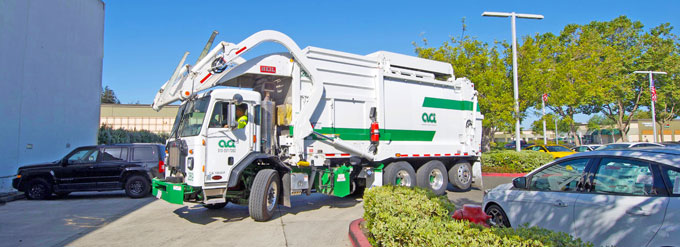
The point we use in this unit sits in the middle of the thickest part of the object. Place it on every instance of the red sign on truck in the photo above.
(268, 69)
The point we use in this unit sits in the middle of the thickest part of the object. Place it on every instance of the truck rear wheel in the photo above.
(400, 174)
(264, 195)
(460, 175)
(433, 176)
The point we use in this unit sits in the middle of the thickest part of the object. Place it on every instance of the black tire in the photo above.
(215, 206)
(61, 194)
(38, 189)
(460, 175)
(498, 216)
(433, 176)
(264, 195)
(137, 186)
(400, 174)
(357, 189)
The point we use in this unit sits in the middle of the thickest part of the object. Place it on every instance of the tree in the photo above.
(483, 65)
(598, 122)
(108, 96)
(563, 125)
(661, 52)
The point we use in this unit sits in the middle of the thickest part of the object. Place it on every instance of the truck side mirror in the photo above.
(520, 183)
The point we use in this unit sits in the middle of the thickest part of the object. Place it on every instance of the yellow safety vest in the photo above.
(242, 121)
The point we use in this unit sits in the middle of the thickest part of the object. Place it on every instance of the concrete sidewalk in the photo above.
(317, 220)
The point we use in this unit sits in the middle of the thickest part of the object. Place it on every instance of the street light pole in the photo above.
(515, 86)
(545, 138)
(653, 90)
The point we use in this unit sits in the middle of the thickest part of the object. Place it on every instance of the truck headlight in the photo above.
(190, 163)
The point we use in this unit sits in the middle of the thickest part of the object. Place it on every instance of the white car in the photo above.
(586, 148)
(628, 145)
(612, 197)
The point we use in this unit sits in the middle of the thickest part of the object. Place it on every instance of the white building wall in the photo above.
(50, 79)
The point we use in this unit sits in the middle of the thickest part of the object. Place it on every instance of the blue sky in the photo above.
(144, 40)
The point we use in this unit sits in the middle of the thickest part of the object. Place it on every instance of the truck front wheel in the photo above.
(264, 195)
(400, 174)
(460, 175)
(433, 176)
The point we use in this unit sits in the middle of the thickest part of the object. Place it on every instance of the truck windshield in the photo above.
(190, 117)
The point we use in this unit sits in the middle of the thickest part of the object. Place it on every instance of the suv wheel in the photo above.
(137, 186)
(38, 189)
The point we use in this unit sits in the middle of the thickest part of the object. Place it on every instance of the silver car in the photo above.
(613, 197)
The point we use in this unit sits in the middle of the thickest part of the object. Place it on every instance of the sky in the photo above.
(144, 40)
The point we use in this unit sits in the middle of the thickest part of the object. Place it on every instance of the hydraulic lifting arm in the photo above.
(206, 73)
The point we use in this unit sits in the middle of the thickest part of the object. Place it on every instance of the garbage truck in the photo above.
(257, 131)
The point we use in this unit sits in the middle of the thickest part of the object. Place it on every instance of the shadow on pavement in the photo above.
(198, 214)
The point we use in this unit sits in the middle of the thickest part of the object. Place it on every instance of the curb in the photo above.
(5, 198)
(493, 174)
(356, 236)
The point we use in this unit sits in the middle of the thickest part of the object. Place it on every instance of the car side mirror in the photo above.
(520, 183)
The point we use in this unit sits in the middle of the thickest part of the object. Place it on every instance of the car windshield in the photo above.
(612, 146)
(190, 117)
(557, 149)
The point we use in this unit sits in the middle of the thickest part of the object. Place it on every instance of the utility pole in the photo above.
(545, 138)
(653, 92)
(557, 138)
(513, 16)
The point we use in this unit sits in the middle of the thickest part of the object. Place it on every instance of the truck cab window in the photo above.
(218, 119)
(241, 116)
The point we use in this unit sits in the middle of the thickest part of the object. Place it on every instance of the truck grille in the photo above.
(174, 157)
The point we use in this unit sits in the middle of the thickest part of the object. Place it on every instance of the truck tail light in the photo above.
(161, 166)
(375, 132)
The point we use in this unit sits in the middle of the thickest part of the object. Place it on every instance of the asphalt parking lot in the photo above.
(112, 219)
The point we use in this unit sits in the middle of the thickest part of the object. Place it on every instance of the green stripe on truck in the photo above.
(449, 104)
(356, 134)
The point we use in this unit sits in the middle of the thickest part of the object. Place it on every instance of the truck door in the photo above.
(228, 141)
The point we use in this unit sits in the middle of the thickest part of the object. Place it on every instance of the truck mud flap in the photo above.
(170, 192)
(285, 180)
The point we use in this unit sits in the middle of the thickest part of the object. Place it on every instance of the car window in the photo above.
(621, 176)
(557, 149)
(536, 148)
(84, 156)
(114, 154)
(144, 154)
(673, 175)
(613, 146)
(562, 176)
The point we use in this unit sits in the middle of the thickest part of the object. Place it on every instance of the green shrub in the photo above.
(512, 161)
(108, 135)
(399, 216)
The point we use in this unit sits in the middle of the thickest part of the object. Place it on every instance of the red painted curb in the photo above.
(493, 174)
(356, 236)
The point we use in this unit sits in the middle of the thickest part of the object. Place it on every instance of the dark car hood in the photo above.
(39, 165)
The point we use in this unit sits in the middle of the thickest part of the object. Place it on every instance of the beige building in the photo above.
(138, 117)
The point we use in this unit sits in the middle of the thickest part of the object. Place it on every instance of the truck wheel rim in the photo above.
(496, 217)
(403, 178)
(436, 179)
(463, 174)
(271, 195)
(38, 191)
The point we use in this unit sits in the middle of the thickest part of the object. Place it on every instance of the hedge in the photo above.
(108, 135)
(400, 216)
(514, 162)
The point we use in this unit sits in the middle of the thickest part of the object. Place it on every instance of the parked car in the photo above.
(95, 168)
(557, 151)
(585, 148)
(613, 197)
(511, 145)
(627, 145)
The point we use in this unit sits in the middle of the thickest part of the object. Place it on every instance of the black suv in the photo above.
(95, 168)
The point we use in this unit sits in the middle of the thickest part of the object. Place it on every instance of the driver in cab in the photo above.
(241, 116)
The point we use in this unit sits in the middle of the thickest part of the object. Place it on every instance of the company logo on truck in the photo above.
(226, 146)
(429, 118)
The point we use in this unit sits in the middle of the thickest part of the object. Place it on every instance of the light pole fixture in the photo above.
(653, 94)
(513, 16)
